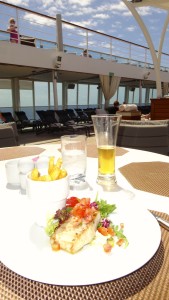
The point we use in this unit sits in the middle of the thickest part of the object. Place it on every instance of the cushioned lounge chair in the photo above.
(83, 117)
(27, 123)
(72, 115)
(86, 120)
(90, 112)
(152, 138)
(72, 126)
(7, 117)
(49, 121)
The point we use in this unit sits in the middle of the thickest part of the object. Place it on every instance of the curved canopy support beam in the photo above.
(150, 44)
(162, 39)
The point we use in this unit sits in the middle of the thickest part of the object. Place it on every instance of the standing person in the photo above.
(12, 28)
(116, 105)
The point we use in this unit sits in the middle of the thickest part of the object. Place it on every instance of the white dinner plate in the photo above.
(25, 248)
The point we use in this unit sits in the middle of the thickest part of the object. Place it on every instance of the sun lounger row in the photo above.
(71, 120)
(67, 120)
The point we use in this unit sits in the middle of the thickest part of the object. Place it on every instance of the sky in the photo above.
(111, 17)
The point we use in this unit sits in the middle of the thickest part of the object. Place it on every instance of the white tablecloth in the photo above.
(146, 200)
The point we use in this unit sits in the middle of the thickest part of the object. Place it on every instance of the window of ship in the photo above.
(5, 95)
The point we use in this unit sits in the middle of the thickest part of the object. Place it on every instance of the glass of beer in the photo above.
(106, 130)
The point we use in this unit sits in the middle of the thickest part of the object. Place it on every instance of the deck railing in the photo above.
(101, 46)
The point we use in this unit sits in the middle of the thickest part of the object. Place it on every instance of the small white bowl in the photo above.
(46, 197)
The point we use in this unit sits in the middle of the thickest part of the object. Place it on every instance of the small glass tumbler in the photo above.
(106, 130)
(74, 156)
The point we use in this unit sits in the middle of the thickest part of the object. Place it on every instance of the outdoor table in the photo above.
(144, 174)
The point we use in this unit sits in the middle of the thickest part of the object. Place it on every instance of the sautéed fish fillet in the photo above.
(73, 234)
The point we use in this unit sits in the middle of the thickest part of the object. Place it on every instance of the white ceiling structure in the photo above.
(132, 5)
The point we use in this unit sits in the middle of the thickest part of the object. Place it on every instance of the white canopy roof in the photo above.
(163, 4)
(156, 56)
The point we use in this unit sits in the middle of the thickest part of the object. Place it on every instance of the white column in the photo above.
(147, 97)
(77, 95)
(99, 96)
(64, 95)
(49, 95)
(140, 92)
(126, 94)
(55, 96)
(15, 94)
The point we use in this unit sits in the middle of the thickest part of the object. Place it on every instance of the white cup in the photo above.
(12, 173)
(25, 165)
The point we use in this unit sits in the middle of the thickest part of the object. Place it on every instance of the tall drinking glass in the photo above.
(74, 150)
(106, 130)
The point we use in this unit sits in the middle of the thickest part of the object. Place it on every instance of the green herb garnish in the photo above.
(52, 224)
(105, 208)
(120, 235)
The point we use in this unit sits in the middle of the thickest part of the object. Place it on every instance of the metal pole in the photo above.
(33, 96)
(17, 22)
(87, 45)
(59, 35)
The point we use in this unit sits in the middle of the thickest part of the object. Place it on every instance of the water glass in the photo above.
(74, 156)
(12, 174)
(106, 130)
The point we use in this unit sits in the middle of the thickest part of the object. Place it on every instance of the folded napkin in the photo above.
(128, 107)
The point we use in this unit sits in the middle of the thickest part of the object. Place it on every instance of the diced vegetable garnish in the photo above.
(72, 201)
(62, 215)
(103, 231)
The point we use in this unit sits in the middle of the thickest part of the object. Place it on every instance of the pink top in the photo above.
(13, 35)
